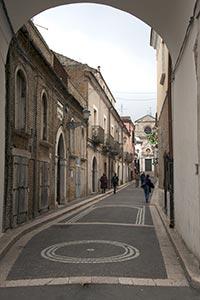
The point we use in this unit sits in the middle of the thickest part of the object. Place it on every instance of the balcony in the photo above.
(109, 141)
(128, 157)
(116, 150)
(97, 134)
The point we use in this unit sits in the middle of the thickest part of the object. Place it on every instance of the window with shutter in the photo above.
(20, 101)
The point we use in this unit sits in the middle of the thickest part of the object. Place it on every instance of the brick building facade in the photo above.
(43, 153)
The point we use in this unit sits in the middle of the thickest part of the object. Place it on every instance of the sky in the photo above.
(116, 41)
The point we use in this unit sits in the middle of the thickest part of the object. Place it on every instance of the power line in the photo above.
(41, 26)
(143, 93)
(135, 100)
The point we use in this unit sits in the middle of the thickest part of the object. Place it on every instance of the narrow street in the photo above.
(117, 248)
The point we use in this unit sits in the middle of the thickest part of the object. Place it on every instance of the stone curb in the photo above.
(8, 238)
(189, 263)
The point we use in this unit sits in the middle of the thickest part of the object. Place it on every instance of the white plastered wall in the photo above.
(186, 196)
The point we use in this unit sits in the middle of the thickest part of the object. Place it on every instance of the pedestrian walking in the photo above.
(104, 183)
(147, 185)
(137, 179)
(142, 178)
(114, 182)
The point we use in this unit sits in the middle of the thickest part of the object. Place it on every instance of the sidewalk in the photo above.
(189, 263)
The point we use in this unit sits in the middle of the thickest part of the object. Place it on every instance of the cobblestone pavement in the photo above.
(113, 249)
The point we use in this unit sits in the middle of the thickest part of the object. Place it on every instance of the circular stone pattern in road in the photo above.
(127, 252)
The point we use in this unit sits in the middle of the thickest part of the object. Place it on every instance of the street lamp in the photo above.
(72, 124)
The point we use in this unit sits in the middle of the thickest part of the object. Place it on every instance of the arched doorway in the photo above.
(94, 175)
(60, 168)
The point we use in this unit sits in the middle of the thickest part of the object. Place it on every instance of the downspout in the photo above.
(171, 164)
(35, 151)
(165, 180)
(170, 109)
(87, 172)
(109, 160)
(122, 156)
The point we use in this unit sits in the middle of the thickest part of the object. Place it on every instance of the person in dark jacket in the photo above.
(104, 183)
(147, 186)
(115, 181)
(142, 178)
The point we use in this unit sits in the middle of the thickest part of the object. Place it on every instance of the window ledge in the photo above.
(46, 144)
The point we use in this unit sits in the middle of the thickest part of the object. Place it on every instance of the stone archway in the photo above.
(176, 22)
(169, 20)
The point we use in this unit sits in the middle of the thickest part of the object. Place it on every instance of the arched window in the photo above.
(20, 101)
(44, 118)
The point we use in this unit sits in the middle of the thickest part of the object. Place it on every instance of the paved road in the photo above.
(117, 248)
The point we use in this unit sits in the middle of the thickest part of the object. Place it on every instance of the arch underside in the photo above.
(168, 18)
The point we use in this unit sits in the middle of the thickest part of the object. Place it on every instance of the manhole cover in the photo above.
(93, 248)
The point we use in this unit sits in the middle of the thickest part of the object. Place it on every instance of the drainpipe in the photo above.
(87, 173)
(35, 151)
(170, 109)
(171, 164)
(122, 156)
(165, 181)
(109, 160)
